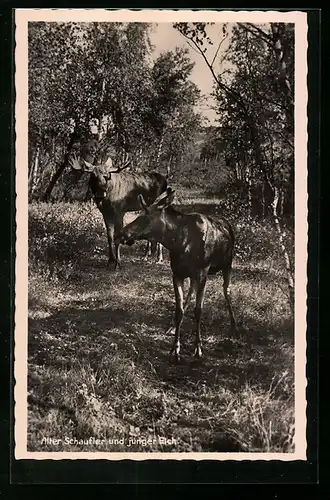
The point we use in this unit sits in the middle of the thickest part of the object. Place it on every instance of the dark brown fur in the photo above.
(117, 193)
(198, 244)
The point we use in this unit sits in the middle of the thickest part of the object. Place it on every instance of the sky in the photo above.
(164, 37)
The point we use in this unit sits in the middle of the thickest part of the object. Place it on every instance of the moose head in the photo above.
(100, 173)
(151, 220)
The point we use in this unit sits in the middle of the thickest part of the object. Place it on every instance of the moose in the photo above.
(116, 192)
(199, 246)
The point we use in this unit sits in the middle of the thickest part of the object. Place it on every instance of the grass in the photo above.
(98, 353)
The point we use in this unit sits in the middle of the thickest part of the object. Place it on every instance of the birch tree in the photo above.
(255, 110)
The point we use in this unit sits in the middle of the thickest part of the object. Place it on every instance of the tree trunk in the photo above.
(237, 171)
(60, 169)
(249, 187)
(281, 56)
(159, 150)
(281, 203)
(33, 177)
(169, 167)
(275, 213)
(31, 174)
(100, 131)
(281, 235)
(36, 169)
(138, 160)
(263, 199)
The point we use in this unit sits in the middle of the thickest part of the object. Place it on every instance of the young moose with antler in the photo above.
(199, 245)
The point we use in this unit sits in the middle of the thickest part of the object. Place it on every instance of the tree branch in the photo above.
(232, 93)
(216, 53)
(259, 33)
(188, 42)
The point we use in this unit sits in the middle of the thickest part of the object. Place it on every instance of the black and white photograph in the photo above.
(161, 211)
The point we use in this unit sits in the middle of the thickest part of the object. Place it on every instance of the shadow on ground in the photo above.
(85, 318)
(130, 311)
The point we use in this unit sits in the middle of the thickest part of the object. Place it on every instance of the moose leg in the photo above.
(117, 228)
(178, 290)
(151, 249)
(226, 290)
(160, 257)
(200, 294)
(191, 290)
(110, 235)
(148, 250)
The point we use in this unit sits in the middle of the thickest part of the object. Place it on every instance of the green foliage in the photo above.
(257, 129)
(196, 32)
(63, 233)
(258, 421)
(254, 106)
(84, 73)
(255, 77)
(256, 237)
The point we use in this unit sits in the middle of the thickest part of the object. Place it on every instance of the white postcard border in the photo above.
(22, 17)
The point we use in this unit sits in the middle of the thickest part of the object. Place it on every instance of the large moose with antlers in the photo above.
(116, 192)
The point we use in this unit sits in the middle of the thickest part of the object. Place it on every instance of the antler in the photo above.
(126, 163)
(165, 194)
(86, 166)
(143, 203)
(74, 162)
(165, 197)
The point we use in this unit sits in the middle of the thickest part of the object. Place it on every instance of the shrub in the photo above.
(62, 233)
(256, 238)
(261, 421)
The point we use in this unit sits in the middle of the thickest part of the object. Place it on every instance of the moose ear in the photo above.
(166, 198)
(170, 198)
(108, 165)
(109, 162)
(88, 167)
(143, 203)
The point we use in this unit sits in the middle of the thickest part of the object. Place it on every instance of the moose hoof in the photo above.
(198, 352)
(113, 265)
(234, 332)
(174, 356)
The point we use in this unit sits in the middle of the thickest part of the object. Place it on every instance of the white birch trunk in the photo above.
(281, 235)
